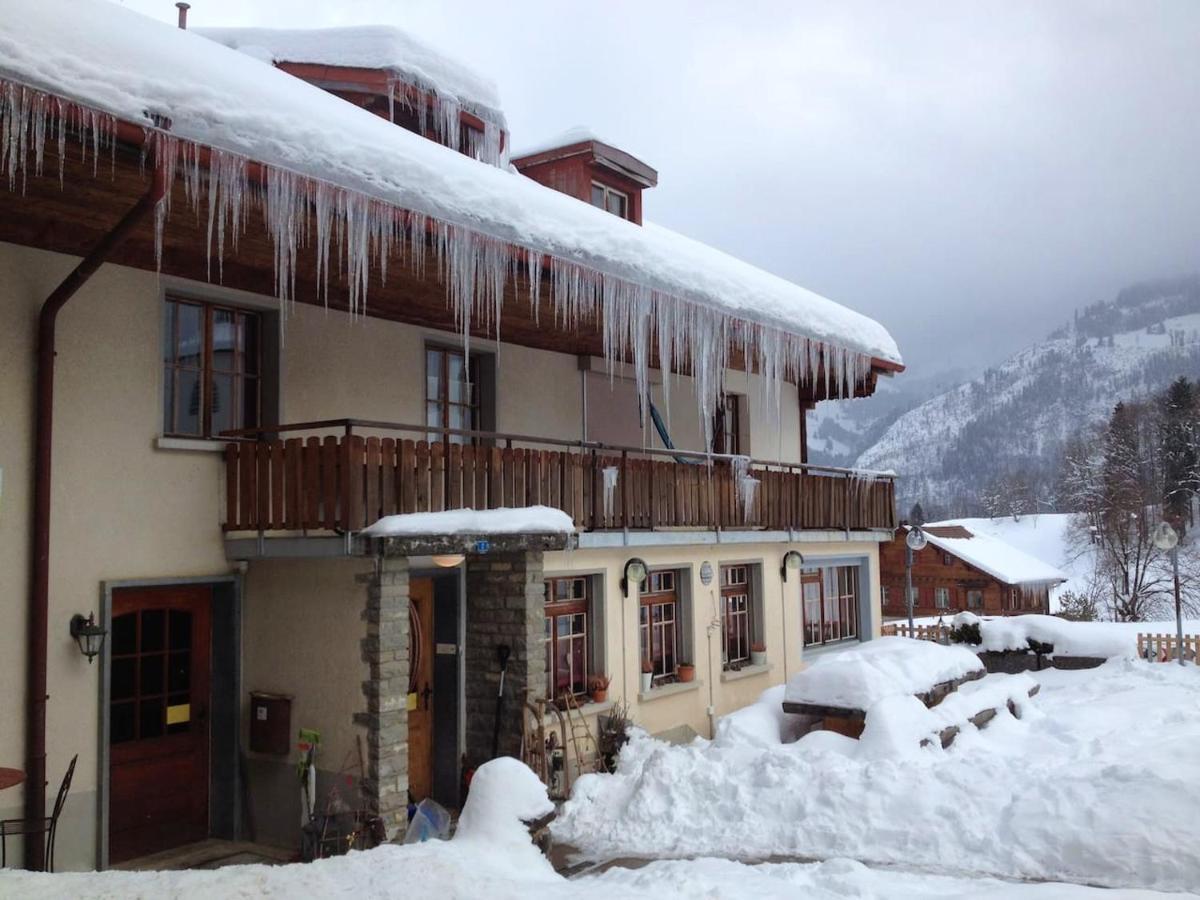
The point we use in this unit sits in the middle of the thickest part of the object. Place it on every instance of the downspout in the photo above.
(39, 591)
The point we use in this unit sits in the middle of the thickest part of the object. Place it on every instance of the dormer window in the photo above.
(613, 201)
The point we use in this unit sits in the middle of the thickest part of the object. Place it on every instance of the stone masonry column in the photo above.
(385, 651)
(506, 599)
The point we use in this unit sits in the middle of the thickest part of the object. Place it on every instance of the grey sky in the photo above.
(967, 173)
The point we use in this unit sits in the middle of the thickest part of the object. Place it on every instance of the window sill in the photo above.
(746, 672)
(669, 690)
(202, 445)
(832, 647)
(588, 709)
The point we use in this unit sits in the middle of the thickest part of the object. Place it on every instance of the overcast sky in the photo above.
(965, 172)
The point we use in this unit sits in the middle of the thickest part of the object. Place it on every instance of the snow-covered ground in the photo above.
(1097, 783)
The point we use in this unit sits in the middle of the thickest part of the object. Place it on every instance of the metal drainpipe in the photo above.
(39, 591)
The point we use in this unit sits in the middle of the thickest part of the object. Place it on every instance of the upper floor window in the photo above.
(727, 424)
(450, 396)
(212, 369)
(611, 200)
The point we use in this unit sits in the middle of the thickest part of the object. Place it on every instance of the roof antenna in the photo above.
(183, 8)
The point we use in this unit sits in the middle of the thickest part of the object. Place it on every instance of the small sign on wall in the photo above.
(706, 573)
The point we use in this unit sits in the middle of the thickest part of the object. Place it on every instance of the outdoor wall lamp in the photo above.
(448, 560)
(635, 573)
(88, 635)
(793, 560)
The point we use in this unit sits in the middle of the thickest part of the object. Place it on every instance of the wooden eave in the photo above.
(602, 155)
(70, 218)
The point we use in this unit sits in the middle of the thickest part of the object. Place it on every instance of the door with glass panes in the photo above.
(158, 719)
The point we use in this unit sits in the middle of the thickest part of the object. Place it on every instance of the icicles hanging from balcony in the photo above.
(747, 485)
(610, 475)
(351, 236)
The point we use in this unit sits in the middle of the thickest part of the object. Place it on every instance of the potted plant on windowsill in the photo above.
(686, 672)
(598, 687)
(647, 676)
(758, 654)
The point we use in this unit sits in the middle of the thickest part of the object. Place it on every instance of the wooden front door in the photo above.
(420, 687)
(158, 719)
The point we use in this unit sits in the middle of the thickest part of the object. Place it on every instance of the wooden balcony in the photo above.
(343, 482)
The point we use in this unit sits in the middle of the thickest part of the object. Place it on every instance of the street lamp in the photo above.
(914, 541)
(1167, 538)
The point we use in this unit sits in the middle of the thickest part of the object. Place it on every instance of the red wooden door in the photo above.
(158, 719)
(420, 715)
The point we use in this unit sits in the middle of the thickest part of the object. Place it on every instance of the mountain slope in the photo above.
(1016, 416)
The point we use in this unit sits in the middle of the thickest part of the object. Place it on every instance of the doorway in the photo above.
(420, 688)
(158, 711)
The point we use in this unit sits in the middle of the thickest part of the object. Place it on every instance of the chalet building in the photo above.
(266, 297)
(960, 569)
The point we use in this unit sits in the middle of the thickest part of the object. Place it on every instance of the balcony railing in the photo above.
(343, 481)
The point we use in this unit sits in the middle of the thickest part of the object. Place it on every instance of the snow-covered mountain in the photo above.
(1015, 417)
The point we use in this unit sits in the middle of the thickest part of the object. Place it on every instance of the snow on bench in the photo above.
(851, 682)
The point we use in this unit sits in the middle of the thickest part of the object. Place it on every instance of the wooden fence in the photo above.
(1165, 647)
(347, 482)
(939, 634)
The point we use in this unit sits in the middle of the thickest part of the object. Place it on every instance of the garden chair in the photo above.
(46, 829)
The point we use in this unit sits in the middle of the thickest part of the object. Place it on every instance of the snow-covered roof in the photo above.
(576, 134)
(360, 172)
(518, 520)
(992, 555)
(407, 57)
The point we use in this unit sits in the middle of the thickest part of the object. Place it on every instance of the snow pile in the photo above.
(414, 67)
(1098, 785)
(504, 795)
(1045, 537)
(860, 677)
(518, 520)
(1101, 639)
(380, 189)
(995, 557)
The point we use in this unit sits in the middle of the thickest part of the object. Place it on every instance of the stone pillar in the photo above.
(506, 599)
(385, 651)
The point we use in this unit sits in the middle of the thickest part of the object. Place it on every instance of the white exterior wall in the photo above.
(125, 507)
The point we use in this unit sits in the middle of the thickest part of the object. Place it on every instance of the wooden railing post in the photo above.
(625, 489)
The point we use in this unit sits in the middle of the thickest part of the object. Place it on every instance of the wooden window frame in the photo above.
(737, 614)
(206, 372)
(845, 597)
(614, 192)
(443, 401)
(727, 436)
(660, 590)
(978, 593)
(571, 606)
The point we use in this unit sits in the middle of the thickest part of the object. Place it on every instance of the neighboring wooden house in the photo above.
(230, 394)
(960, 569)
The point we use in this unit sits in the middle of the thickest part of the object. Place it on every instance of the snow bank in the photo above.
(860, 677)
(518, 520)
(1096, 784)
(504, 795)
(1102, 639)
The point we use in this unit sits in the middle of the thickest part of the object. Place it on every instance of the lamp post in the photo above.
(915, 540)
(1167, 538)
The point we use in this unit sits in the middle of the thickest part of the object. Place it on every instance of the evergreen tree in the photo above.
(1179, 452)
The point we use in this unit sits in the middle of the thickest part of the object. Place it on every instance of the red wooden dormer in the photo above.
(588, 168)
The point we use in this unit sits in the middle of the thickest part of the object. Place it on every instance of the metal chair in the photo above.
(47, 827)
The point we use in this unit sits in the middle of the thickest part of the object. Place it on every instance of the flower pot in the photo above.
(758, 657)
(687, 673)
(600, 696)
(647, 682)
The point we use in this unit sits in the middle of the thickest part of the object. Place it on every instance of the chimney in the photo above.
(183, 8)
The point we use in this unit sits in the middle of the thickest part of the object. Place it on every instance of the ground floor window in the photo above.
(739, 612)
(658, 623)
(941, 598)
(568, 630)
(830, 599)
(974, 599)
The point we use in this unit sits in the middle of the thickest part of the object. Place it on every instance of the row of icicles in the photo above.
(304, 214)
